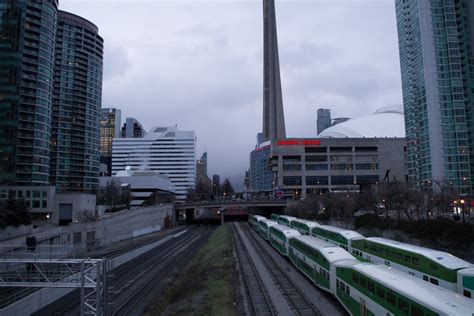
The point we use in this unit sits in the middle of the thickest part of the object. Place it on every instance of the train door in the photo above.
(363, 307)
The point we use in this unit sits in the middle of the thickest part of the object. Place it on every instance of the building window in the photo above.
(36, 204)
(292, 181)
(291, 167)
(317, 180)
(367, 166)
(315, 149)
(342, 180)
(317, 167)
(77, 238)
(367, 179)
(44, 204)
(341, 166)
(340, 149)
(366, 149)
(316, 158)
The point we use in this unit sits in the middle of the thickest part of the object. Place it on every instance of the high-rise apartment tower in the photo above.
(27, 39)
(436, 41)
(77, 101)
(273, 115)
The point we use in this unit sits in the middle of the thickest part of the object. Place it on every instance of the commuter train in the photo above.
(436, 267)
(363, 288)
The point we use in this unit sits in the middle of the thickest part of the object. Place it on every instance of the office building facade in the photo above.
(110, 124)
(436, 42)
(316, 166)
(260, 174)
(27, 37)
(132, 129)
(77, 102)
(166, 150)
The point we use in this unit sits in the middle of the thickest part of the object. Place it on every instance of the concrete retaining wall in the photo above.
(111, 228)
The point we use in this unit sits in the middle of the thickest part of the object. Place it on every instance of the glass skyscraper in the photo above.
(27, 41)
(436, 41)
(76, 105)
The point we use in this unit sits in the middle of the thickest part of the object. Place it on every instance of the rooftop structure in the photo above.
(385, 122)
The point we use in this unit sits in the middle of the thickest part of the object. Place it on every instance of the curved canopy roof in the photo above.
(385, 122)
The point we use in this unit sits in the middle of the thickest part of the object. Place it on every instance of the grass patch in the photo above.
(206, 286)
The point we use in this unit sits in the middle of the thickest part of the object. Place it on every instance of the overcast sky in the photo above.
(198, 64)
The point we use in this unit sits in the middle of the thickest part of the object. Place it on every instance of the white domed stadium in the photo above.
(385, 122)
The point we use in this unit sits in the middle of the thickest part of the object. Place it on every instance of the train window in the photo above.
(337, 283)
(387, 252)
(407, 258)
(403, 306)
(363, 282)
(355, 278)
(394, 254)
(371, 287)
(391, 298)
(380, 292)
(416, 261)
(434, 281)
(415, 311)
(400, 256)
(467, 293)
(348, 291)
(425, 277)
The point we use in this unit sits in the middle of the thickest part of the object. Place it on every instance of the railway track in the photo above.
(132, 282)
(300, 304)
(9, 295)
(134, 292)
(256, 292)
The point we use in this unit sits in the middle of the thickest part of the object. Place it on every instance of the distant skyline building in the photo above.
(260, 175)
(77, 102)
(27, 38)
(166, 150)
(273, 114)
(110, 128)
(132, 129)
(203, 161)
(436, 42)
(216, 184)
(323, 120)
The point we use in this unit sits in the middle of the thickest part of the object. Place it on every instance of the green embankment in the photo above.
(206, 286)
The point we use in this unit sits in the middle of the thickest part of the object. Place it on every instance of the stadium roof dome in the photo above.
(385, 122)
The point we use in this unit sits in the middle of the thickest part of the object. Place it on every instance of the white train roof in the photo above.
(267, 221)
(290, 218)
(306, 222)
(422, 292)
(348, 234)
(329, 251)
(288, 232)
(443, 258)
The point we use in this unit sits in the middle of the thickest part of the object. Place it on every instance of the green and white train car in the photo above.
(264, 226)
(285, 220)
(370, 290)
(254, 219)
(335, 235)
(315, 258)
(280, 235)
(303, 226)
(274, 217)
(436, 267)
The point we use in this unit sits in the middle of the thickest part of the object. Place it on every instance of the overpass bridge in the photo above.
(234, 210)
